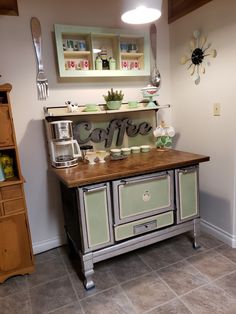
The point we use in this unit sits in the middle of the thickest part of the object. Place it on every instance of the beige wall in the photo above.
(192, 110)
(18, 67)
(198, 130)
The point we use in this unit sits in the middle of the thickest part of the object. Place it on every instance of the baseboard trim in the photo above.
(42, 246)
(218, 233)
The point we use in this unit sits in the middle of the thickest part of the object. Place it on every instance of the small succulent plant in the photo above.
(113, 95)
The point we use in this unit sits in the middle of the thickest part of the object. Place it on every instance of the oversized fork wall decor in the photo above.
(41, 80)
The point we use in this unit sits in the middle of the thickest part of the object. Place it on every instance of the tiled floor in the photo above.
(168, 277)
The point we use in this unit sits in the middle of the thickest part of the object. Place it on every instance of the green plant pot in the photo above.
(114, 104)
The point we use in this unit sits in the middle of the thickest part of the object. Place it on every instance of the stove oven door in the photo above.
(143, 196)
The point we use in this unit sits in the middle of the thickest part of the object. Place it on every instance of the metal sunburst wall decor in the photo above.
(199, 52)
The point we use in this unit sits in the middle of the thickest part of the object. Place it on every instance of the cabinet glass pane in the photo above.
(141, 197)
(96, 214)
(188, 193)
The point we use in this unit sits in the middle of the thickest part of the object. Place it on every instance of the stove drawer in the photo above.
(143, 225)
(143, 196)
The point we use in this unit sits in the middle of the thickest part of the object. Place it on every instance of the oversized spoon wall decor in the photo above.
(199, 49)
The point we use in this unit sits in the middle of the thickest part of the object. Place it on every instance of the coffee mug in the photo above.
(123, 47)
(115, 152)
(70, 65)
(81, 45)
(70, 45)
(132, 48)
(125, 151)
(135, 149)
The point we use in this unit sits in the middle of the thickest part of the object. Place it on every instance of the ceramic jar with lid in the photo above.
(98, 63)
(112, 63)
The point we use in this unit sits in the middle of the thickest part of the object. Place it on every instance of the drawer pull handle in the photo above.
(99, 188)
(145, 227)
(132, 181)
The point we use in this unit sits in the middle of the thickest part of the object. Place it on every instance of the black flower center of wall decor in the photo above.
(197, 56)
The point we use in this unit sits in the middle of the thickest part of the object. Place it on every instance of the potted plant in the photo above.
(113, 99)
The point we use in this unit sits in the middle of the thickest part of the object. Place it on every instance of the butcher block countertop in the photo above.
(134, 164)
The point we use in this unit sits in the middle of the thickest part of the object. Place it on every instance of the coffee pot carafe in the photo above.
(64, 150)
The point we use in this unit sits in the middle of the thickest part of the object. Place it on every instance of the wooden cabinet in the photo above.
(16, 256)
(78, 48)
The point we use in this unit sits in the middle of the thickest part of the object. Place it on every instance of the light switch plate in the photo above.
(216, 109)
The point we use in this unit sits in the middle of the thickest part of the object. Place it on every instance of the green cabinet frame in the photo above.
(95, 38)
(95, 213)
(187, 193)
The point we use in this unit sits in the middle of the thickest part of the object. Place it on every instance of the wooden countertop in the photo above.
(134, 164)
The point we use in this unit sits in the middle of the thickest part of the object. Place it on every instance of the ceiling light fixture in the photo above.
(141, 11)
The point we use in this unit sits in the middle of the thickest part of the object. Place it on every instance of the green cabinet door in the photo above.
(187, 193)
(95, 207)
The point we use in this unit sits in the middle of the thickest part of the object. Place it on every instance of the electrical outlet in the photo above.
(216, 109)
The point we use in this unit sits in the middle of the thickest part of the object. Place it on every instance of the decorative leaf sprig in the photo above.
(113, 95)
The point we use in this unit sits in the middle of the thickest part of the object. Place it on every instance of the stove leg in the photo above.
(196, 233)
(87, 270)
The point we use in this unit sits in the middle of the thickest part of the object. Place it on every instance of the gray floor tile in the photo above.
(52, 269)
(160, 255)
(13, 285)
(112, 301)
(209, 299)
(74, 308)
(212, 265)
(103, 280)
(147, 292)
(228, 252)
(228, 283)
(46, 256)
(172, 307)
(182, 277)
(183, 245)
(209, 241)
(52, 295)
(18, 303)
(127, 266)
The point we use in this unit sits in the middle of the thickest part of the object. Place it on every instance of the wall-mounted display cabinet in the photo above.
(101, 52)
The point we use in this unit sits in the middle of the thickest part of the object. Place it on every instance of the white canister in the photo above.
(112, 64)
(98, 63)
